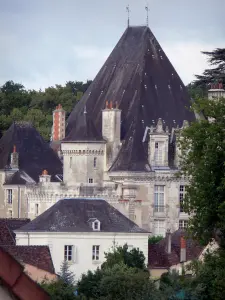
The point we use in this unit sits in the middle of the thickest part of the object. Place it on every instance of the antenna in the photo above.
(147, 10)
(128, 15)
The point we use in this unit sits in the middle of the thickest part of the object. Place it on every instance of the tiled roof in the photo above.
(159, 258)
(7, 236)
(73, 215)
(20, 177)
(139, 77)
(38, 256)
(17, 282)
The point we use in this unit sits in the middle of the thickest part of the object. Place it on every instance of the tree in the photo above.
(203, 156)
(133, 258)
(154, 239)
(58, 290)
(66, 275)
(215, 58)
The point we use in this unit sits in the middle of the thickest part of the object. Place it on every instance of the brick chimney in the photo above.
(183, 249)
(14, 162)
(168, 241)
(59, 123)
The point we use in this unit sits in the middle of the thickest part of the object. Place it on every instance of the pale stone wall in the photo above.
(78, 162)
(83, 242)
(38, 275)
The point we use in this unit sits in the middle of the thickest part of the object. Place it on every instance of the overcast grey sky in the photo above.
(44, 42)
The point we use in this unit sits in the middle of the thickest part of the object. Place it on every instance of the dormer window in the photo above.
(158, 153)
(95, 224)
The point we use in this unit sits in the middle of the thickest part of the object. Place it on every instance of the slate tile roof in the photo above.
(84, 131)
(35, 155)
(73, 215)
(17, 282)
(38, 256)
(139, 77)
(19, 178)
(159, 258)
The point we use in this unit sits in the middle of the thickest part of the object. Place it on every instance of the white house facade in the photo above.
(80, 231)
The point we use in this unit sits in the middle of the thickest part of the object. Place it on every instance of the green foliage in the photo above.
(118, 282)
(203, 157)
(19, 104)
(216, 58)
(154, 239)
(133, 258)
(66, 275)
(59, 290)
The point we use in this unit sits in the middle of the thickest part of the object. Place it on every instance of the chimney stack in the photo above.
(183, 249)
(59, 123)
(14, 163)
(168, 241)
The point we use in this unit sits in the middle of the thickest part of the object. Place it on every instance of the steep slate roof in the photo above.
(73, 215)
(159, 258)
(84, 131)
(38, 256)
(35, 154)
(140, 78)
(7, 236)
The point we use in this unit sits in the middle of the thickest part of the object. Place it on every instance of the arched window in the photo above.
(95, 162)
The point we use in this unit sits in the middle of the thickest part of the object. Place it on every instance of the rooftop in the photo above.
(73, 215)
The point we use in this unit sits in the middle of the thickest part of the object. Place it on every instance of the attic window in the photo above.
(96, 225)
(90, 180)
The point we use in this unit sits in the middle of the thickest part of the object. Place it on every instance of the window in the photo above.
(183, 224)
(90, 180)
(95, 162)
(10, 213)
(159, 153)
(9, 196)
(95, 252)
(96, 225)
(68, 252)
(181, 197)
(159, 227)
(70, 162)
(36, 209)
(159, 198)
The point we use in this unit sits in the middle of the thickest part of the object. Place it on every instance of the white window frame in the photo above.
(159, 198)
(95, 253)
(9, 194)
(183, 224)
(181, 196)
(159, 227)
(96, 225)
(90, 180)
(159, 153)
(69, 253)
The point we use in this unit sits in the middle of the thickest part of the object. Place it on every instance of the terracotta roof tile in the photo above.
(38, 256)
(17, 282)
(159, 258)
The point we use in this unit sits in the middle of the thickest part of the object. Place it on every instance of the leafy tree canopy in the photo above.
(155, 239)
(133, 258)
(203, 157)
(19, 104)
(216, 73)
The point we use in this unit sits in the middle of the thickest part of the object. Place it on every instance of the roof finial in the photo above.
(147, 10)
(128, 13)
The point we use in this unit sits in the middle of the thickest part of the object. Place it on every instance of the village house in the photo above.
(80, 231)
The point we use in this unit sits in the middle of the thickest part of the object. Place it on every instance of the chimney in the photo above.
(14, 163)
(59, 123)
(45, 177)
(183, 249)
(110, 105)
(168, 241)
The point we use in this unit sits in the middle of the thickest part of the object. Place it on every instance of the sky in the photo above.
(48, 42)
